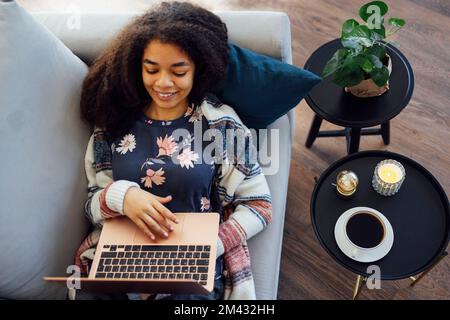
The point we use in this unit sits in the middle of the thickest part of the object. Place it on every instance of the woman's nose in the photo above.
(165, 80)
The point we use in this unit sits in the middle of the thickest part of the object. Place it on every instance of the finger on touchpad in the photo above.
(174, 236)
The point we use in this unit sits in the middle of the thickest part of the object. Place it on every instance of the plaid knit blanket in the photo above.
(244, 200)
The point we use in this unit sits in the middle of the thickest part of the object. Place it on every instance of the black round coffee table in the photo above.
(331, 103)
(419, 214)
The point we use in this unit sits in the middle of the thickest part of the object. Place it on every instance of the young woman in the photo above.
(153, 79)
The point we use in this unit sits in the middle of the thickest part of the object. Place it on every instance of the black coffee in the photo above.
(365, 230)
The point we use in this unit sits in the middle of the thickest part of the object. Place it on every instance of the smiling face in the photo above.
(168, 76)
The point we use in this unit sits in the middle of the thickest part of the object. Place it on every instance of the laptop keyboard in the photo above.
(154, 262)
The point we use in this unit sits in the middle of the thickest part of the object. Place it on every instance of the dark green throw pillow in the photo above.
(262, 89)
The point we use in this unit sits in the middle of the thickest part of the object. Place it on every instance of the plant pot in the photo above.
(367, 88)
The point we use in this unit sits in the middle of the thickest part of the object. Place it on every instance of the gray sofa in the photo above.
(264, 32)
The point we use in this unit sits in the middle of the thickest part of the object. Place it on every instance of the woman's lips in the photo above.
(165, 96)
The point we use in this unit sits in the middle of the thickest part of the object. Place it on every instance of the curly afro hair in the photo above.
(113, 93)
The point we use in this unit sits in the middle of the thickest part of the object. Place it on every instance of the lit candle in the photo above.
(388, 177)
(390, 173)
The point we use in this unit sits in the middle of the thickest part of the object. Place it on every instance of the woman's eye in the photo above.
(175, 73)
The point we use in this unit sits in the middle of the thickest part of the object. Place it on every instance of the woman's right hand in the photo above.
(148, 212)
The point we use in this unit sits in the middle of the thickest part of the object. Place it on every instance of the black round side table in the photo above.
(419, 214)
(332, 103)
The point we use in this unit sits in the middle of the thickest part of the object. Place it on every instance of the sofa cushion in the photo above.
(43, 185)
(262, 89)
(265, 247)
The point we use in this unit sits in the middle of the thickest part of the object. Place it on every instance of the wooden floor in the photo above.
(421, 131)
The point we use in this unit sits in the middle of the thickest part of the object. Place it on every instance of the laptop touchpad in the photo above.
(174, 236)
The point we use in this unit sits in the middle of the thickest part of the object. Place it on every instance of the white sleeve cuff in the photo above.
(220, 248)
(116, 194)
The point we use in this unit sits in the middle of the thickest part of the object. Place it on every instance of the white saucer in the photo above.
(358, 253)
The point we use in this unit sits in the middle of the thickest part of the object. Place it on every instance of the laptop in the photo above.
(127, 260)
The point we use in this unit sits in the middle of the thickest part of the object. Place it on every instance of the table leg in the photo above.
(423, 274)
(347, 132)
(360, 281)
(313, 131)
(353, 144)
(386, 132)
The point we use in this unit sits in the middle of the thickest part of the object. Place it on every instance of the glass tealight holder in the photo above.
(388, 177)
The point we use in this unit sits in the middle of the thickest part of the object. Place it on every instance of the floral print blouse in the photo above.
(151, 156)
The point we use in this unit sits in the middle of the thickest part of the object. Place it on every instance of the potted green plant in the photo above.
(362, 66)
